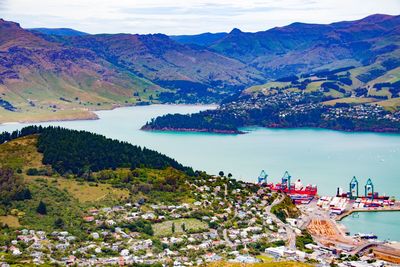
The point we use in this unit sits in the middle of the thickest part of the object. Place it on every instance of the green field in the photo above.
(165, 228)
(10, 220)
(43, 96)
(350, 100)
(21, 154)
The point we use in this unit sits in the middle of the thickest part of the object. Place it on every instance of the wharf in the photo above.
(396, 207)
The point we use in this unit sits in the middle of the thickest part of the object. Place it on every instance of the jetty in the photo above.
(346, 213)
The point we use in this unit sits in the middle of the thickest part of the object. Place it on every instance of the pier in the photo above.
(376, 209)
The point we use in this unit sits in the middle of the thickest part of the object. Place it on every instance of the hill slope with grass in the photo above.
(43, 165)
(39, 78)
(301, 48)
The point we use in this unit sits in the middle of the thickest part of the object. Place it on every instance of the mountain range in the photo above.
(301, 48)
(55, 70)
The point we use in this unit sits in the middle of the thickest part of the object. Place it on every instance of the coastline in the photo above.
(192, 130)
(73, 114)
(90, 114)
(349, 212)
(239, 131)
(40, 118)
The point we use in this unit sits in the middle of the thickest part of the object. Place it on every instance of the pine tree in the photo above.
(42, 209)
(173, 228)
(59, 223)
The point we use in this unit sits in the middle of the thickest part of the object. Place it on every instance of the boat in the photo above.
(301, 199)
(366, 236)
(296, 188)
(287, 187)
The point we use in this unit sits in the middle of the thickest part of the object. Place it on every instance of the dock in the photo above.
(375, 209)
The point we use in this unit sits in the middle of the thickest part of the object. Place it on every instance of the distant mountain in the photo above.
(204, 39)
(46, 73)
(193, 71)
(58, 31)
(51, 70)
(301, 48)
(38, 75)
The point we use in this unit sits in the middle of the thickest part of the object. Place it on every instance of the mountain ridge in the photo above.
(58, 31)
(50, 73)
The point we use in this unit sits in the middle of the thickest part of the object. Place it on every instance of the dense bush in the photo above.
(304, 239)
(79, 152)
(12, 187)
(141, 226)
(198, 121)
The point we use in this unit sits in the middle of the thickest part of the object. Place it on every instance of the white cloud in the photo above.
(186, 16)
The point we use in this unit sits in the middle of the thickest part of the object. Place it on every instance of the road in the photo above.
(226, 238)
(289, 230)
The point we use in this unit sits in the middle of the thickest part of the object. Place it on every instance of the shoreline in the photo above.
(349, 212)
(239, 131)
(75, 117)
(91, 116)
(85, 114)
(187, 130)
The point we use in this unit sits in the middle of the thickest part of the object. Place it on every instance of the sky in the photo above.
(185, 16)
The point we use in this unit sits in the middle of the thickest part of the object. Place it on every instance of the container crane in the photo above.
(262, 178)
(369, 189)
(286, 181)
(353, 188)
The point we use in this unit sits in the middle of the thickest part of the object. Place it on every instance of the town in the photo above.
(229, 220)
(288, 104)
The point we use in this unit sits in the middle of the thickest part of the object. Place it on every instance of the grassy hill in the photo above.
(375, 83)
(45, 80)
(64, 198)
(65, 76)
(67, 193)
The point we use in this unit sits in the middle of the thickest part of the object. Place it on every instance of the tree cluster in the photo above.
(12, 187)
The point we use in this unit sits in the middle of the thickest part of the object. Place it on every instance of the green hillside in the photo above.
(28, 177)
(375, 83)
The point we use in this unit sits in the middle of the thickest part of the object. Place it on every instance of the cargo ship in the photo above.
(296, 189)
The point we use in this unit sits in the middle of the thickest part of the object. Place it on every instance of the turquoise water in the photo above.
(323, 157)
(383, 224)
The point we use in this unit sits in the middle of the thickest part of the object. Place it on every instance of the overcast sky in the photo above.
(185, 16)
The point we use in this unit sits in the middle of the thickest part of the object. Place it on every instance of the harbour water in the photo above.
(385, 224)
(323, 157)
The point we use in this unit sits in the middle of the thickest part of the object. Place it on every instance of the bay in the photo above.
(326, 158)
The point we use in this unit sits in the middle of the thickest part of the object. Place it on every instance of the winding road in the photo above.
(289, 230)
